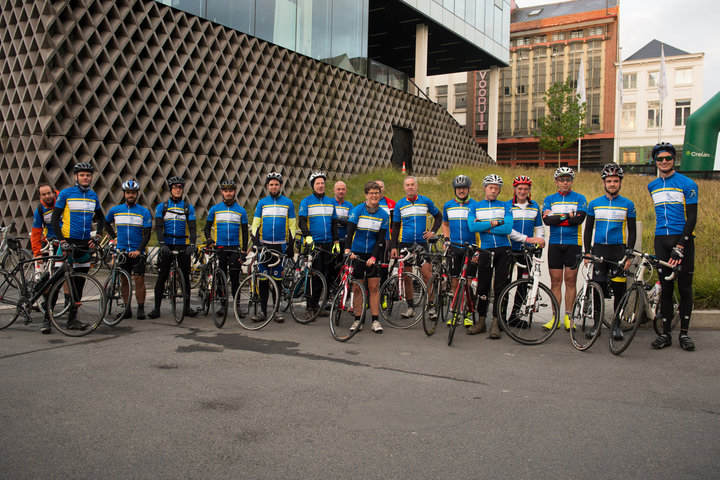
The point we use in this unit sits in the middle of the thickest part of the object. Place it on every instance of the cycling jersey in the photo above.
(129, 222)
(611, 216)
(527, 220)
(78, 208)
(175, 222)
(274, 217)
(368, 226)
(412, 216)
(320, 212)
(342, 210)
(41, 227)
(456, 215)
(226, 231)
(482, 212)
(558, 204)
(670, 195)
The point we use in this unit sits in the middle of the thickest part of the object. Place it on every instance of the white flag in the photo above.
(662, 81)
(581, 83)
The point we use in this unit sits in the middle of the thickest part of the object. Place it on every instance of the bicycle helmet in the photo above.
(131, 186)
(522, 180)
(314, 176)
(612, 170)
(461, 181)
(492, 179)
(175, 180)
(273, 176)
(564, 172)
(228, 184)
(663, 147)
(84, 167)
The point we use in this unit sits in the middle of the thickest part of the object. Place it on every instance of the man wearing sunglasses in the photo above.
(676, 199)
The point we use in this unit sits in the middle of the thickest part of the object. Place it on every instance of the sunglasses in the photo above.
(660, 159)
(565, 180)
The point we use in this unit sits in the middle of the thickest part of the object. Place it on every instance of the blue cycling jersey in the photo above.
(482, 212)
(456, 215)
(275, 214)
(41, 219)
(320, 212)
(129, 223)
(670, 195)
(78, 209)
(226, 230)
(342, 210)
(174, 222)
(525, 220)
(558, 203)
(412, 216)
(611, 216)
(368, 226)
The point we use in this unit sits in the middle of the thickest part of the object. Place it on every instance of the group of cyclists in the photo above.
(378, 229)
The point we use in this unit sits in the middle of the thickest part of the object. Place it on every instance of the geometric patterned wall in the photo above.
(147, 91)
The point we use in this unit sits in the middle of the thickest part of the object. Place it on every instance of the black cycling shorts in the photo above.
(560, 256)
(361, 270)
(603, 272)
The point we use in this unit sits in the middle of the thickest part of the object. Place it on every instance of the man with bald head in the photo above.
(342, 209)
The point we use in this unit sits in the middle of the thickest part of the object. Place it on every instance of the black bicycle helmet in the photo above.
(84, 167)
(461, 181)
(273, 176)
(612, 170)
(663, 147)
(175, 180)
(228, 184)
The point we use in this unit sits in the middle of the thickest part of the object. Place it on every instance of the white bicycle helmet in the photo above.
(564, 172)
(492, 179)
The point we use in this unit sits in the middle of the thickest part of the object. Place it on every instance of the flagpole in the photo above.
(662, 88)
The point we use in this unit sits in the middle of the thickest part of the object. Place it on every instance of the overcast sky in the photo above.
(689, 25)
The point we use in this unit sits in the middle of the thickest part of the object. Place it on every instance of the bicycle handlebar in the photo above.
(654, 262)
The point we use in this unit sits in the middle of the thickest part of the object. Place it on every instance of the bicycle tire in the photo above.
(301, 290)
(524, 323)
(658, 320)
(457, 318)
(247, 303)
(392, 308)
(203, 292)
(101, 255)
(11, 259)
(219, 297)
(87, 307)
(430, 324)
(628, 317)
(9, 300)
(176, 290)
(197, 264)
(115, 304)
(587, 314)
(342, 311)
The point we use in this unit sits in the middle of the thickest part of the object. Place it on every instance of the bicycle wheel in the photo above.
(310, 290)
(9, 300)
(11, 259)
(98, 260)
(249, 311)
(342, 311)
(203, 292)
(116, 305)
(218, 298)
(523, 318)
(87, 305)
(196, 269)
(176, 294)
(658, 320)
(587, 314)
(430, 324)
(406, 311)
(628, 317)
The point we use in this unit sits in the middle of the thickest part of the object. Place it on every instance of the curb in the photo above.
(705, 320)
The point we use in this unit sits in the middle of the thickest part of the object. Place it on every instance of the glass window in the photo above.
(593, 110)
(275, 22)
(521, 117)
(460, 96)
(683, 76)
(191, 6)
(470, 12)
(441, 92)
(237, 15)
(682, 112)
(558, 36)
(489, 19)
(653, 79)
(628, 116)
(654, 115)
(629, 80)
(349, 49)
(629, 157)
(540, 70)
(558, 67)
(314, 28)
(576, 34)
(449, 4)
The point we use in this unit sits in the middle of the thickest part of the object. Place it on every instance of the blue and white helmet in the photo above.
(131, 186)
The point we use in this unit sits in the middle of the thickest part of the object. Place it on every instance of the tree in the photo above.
(565, 121)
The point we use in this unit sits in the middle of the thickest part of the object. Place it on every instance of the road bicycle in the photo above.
(347, 309)
(527, 304)
(85, 296)
(403, 296)
(118, 288)
(175, 289)
(465, 298)
(439, 289)
(635, 307)
(250, 312)
(11, 251)
(99, 258)
(304, 290)
(213, 287)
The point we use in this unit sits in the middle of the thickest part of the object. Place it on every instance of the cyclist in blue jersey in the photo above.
(366, 229)
(317, 220)
(564, 211)
(492, 221)
(388, 205)
(342, 210)
(134, 227)
(676, 201)
(42, 231)
(609, 216)
(75, 209)
(273, 225)
(409, 227)
(456, 230)
(227, 227)
(175, 228)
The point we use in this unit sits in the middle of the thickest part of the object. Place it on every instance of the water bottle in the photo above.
(443, 281)
(655, 292)
(474, 285)
(40, 281)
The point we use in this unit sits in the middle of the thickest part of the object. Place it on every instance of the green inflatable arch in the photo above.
(701, 134)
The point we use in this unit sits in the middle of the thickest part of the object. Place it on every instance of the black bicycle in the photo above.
(118, 287)
(213, 286)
